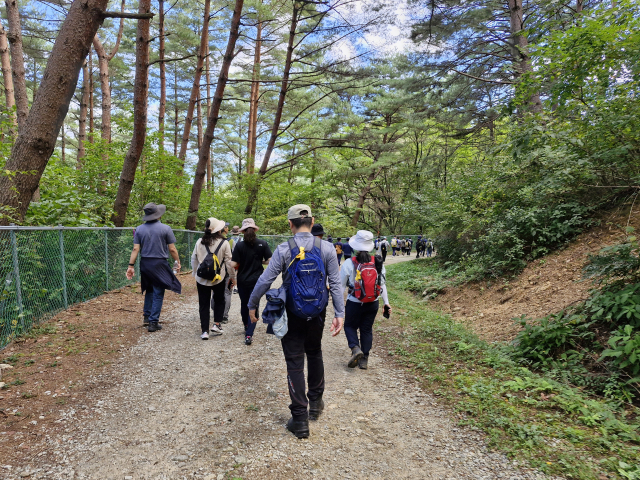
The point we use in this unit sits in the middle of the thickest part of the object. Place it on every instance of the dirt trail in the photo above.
(181, 408)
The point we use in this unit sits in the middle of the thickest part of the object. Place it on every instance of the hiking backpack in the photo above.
(307, 294)
(210, 267)
(339, 248)
(383, 246)
(368, 277)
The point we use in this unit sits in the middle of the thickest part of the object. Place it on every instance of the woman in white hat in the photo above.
(213, 242)
(365, 277)
(249, 256)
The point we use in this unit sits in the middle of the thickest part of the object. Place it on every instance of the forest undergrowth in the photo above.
(536, 398)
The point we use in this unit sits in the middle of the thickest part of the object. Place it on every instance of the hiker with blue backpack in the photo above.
(307, 264)
(364, 275)
(211, 262)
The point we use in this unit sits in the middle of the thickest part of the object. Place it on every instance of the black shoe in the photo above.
(356, 355)
(153, 327)
(300, 428)
(247, 340)
(145, 321)
(362, 363)
(315, 408)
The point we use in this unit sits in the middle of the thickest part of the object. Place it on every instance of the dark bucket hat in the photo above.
(153, 211)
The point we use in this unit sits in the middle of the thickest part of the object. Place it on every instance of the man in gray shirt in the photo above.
(304, 336)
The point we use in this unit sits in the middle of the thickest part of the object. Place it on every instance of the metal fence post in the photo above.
(106, 259)
(16, 273)
(64, 270)
(188, 246)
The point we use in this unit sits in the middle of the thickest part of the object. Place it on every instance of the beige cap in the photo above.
(296, 212)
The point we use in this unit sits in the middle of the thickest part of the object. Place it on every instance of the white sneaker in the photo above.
(216, 329)
(204, 336)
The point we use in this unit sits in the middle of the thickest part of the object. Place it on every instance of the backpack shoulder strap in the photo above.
(293, 246)
(207, 248)
(317, 243)
(217, 248)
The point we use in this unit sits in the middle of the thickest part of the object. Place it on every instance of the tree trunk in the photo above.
(579, 6)
(175, 111)
(17, 62)
(37, 138)
(199, 115)
(203, 155)
(7, 76)
(253, 194)
(163, 76)
(195, 89)
(140, 101)
(208, 80)
(90, 97)
(363, 195)
(519, 45)
(252, 134)
(103, 63)
(82, 121)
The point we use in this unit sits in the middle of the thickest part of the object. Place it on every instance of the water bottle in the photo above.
(175, 267)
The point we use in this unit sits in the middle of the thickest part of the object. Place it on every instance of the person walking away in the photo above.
(338, 247)
(419, 247)
(402, 245)
(212, 247)
(154, 242)
(227, 281)
(394, 245)
(330, 239)
(429, 248)
(306, 264)
(317, 231)
(346, 249)
(409, 245)
(235, 237)
(365, 277)
(249, 256)
(383, 247)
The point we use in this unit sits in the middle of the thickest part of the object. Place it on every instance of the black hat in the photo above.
(317, 230)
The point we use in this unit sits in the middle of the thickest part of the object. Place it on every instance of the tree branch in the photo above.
(135, 16)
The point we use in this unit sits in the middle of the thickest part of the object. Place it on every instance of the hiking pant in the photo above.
(384, 255)
(360, 316)
(153, 299)
(205, 299)
(393, 249)
(227, 300)
(244, 292)
(339, 258)
(304, 338)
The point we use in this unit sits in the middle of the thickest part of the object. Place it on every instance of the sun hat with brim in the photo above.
(248, 223)
(317, 230)
(153, 211)
(235, 229)
(362, 241)
(215, 225)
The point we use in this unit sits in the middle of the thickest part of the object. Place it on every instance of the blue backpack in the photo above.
(307, 292)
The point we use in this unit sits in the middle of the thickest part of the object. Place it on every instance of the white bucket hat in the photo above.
(215, 225)
(362, 241)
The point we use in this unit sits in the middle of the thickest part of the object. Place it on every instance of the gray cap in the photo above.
(296, 212)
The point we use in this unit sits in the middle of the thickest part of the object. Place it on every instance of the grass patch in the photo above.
(554, 427)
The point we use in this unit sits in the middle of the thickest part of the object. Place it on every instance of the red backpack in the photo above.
(367, 286)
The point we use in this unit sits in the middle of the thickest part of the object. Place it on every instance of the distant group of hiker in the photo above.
(295, 312)
(398, 246)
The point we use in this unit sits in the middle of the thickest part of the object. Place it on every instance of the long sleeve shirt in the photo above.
(280, 261)
(348, 278)
(224, 256)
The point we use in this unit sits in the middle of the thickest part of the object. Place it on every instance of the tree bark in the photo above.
(82, 120)
(252, 134)
(36, 141)
(519, 46)
(103, 64)
(253, 194)
(579, 6)
(17, 62)
(362, 196)
(208, 80)
(175, 111)
(163, 76)
(203, 155)
(10, 99)
(140, 102)
(195, 89)
(90, 97)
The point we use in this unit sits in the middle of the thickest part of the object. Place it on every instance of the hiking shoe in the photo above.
(300, 428)
(204, 336)
(356, 355)
(248, 340)
(153, 327)
(217, 329)
(145, 321)
(362, 363)
(315, 408)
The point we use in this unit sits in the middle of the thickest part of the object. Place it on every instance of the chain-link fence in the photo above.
(46, 269)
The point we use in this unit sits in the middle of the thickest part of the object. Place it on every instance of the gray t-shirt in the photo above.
(153, 238)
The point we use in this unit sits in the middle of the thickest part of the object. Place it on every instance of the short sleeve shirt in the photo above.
(154, 238)
(249, 259)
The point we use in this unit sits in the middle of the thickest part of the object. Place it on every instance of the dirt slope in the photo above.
(546, 286)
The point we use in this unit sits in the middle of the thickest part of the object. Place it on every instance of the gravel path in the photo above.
(181, 408)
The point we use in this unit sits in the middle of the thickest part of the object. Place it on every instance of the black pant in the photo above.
(360, 316)
(384, 255)
(244, 292)
(204, 302)
(304, 337)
